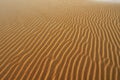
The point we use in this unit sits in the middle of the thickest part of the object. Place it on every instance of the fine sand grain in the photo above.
(59, 40)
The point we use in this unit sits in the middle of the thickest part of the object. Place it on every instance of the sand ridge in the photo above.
(67, 42)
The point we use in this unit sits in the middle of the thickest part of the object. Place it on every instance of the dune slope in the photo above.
(62, 41)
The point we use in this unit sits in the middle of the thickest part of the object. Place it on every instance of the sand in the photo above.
(59, 40)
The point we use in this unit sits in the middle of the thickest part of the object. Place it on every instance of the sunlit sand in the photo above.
(59, 40)
(108, 1)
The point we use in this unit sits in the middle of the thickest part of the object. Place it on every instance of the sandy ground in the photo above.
(59, 40)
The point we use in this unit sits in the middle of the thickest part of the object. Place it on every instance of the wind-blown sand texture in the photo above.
(60, 40)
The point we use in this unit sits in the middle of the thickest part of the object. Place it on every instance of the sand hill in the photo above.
(59, 40)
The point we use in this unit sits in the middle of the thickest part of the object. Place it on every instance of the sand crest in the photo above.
(59, 40)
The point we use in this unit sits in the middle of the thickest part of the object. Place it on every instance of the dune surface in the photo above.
(59, 40)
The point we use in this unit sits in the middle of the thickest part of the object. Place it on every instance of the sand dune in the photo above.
(62, 41)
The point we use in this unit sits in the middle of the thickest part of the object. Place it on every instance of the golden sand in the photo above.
(59, 40)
